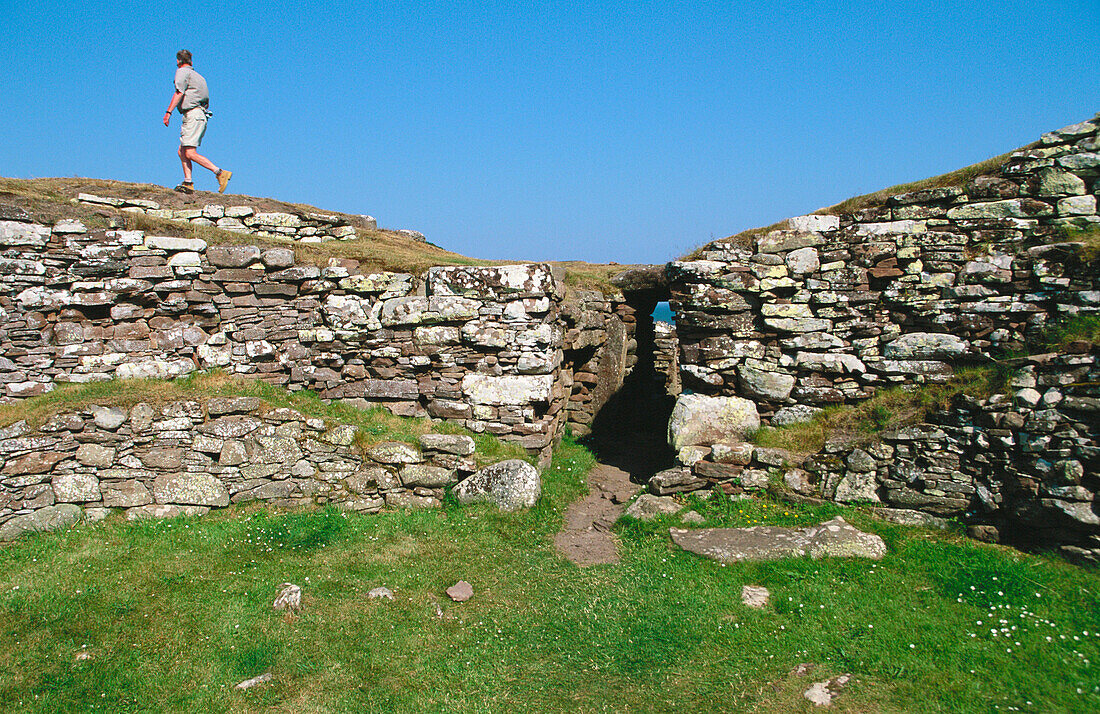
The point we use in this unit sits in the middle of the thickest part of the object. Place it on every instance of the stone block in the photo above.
(196, 489)
(700, 419)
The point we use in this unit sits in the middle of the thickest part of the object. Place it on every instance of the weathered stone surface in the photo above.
(404, 499)
(510, 485)
(755, 596)
(814, 223)
(232, 256)
(396, 452)
(796, 414)
(413, 475)
(699, 419)
(109, 418)
(761, 384)
(50, 518)
(230, 427)
(783, 241)
(1056, 181)
(125, 494)
(833, 538)
(95, 455)
(460, 591)
(35, 463)
(857, 487)
(76, 487)
(1009, 208)
(173, 244)
(370, 480)
(448, 443)
(220, 406)
(908, 517)
(647, 507)
(196, 489)
(925, 345)
(732, 453)
(507, 389)
(529, 280)
(675, 480)
(803, 261)
(799, 481)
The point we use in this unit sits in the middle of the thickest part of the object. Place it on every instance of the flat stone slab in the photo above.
(833, 538)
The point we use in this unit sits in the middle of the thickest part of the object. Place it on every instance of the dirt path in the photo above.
(586, 537)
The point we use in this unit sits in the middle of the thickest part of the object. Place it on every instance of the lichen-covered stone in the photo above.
(413, 475)
(833, 538)
(195, 489)
(507, 389)
(49, 518)
(76, 487)
(700, 419)
(395, 452)
(510, 485)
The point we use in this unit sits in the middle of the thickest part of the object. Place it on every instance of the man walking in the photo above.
(193, 101)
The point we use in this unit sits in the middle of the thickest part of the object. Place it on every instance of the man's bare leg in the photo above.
(189, 154)
(186, 163)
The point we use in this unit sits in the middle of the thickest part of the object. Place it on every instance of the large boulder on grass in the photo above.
(699, 419)
(511, 485)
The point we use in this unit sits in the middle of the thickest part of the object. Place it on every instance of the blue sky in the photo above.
(628, 132)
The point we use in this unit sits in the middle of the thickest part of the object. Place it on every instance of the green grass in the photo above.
(1058, 335)
(887, 409)
(174, 613)
(375, 425)
(1089, 239)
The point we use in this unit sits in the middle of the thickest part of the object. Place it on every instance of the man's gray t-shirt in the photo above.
(193, 87)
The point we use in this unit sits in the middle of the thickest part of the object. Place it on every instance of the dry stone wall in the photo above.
(600, 351)
(1020, 467)
(185, 457)
(832, 308)
(478, 345)
(304, 226)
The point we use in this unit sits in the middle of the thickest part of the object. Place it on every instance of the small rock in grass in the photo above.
(290, 598)
(822, 693)
(755, 596)
(649, 507)
(249, 683)
(381, 592)
(460, 591)
(693, 518)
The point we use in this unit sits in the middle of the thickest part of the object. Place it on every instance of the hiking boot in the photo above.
(186, 187)
(223, 179)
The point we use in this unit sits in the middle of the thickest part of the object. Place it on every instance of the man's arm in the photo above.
(176, 99)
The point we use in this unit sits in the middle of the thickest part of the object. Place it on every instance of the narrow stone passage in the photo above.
(629, 439)
(586, 537)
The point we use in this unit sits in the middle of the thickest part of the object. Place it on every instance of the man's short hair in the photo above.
(184, 56)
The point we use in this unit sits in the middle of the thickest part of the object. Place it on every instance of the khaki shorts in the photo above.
(194, 126)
